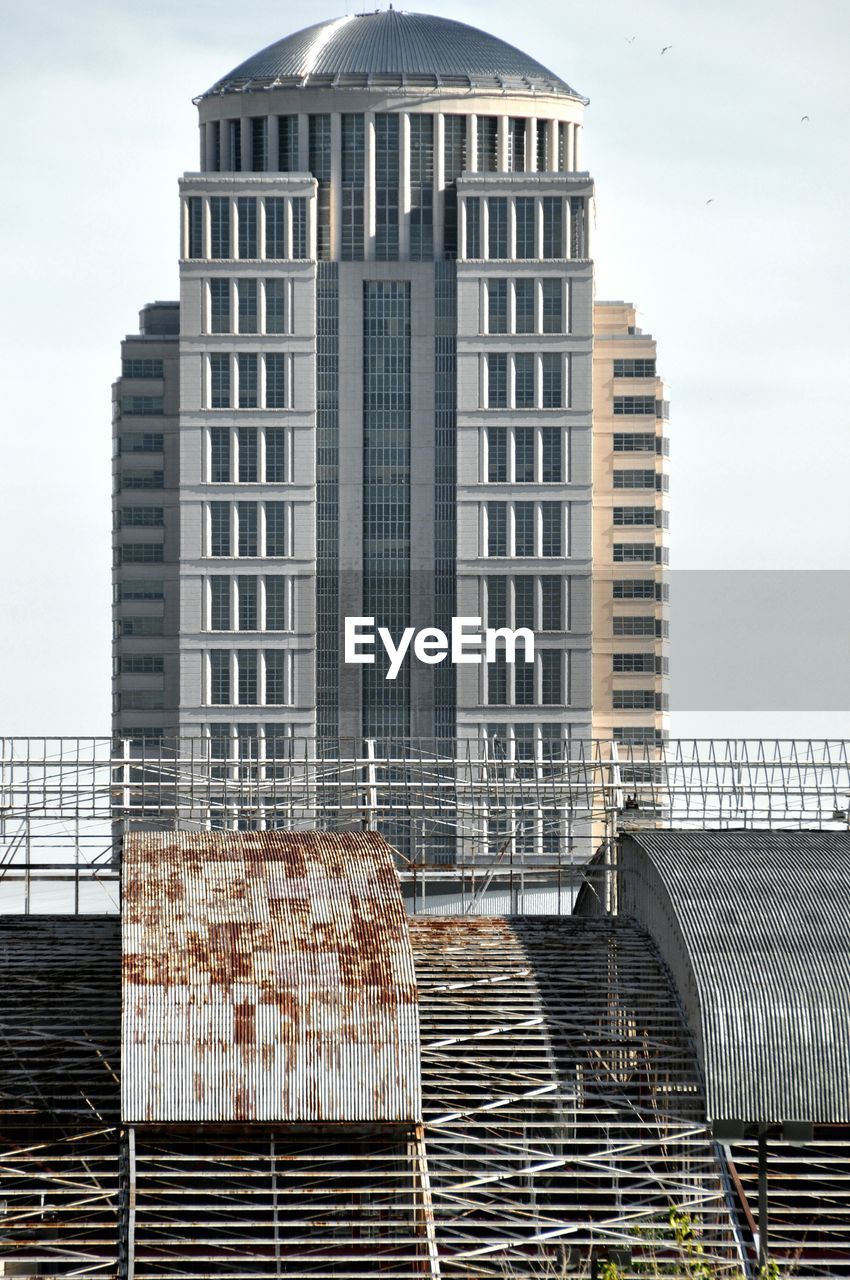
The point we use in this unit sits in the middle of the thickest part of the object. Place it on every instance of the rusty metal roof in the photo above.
(267, 976)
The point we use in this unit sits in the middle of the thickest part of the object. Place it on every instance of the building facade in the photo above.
(377, 402)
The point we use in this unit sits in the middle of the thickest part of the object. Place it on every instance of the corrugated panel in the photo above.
(755, 926)
(266, 976)
(392, 47)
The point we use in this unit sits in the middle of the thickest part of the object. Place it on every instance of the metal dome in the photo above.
(389, 49)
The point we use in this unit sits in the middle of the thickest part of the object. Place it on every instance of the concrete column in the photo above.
(588, 227)
(404, 191)
(312, 227)
(577, 146)
(273, 144)
(571, 147)
(538, 306)
(245, 127)
(502, 144)
(512, 297)
(261, 228)
(439, 184)
(485, 228)
(234, 306)
(568, 228)
(538, 226)
(207, 228)
(202, 163)
(472, 143)
(461, 227)
(531, 145)
(369, 186)
(552, 144)
(224, 146)
(336, 186)
(511, 230)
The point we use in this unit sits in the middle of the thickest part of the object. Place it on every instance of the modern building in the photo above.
(378, 401)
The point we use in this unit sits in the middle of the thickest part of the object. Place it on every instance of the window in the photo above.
(248, 381)
(247, 293)
(625, 516)
(219, 604)
(275, 455)
(497, 306)
(141, 626)
(578, 217)
(421, 187)
(220, 536)
(487, 143)
(246, 438)
(553, 227)
(275, 380)
(634, 442)
(497, 601)
(246, 513)
(516, 145)
(497, 455)
(551, 441)
(275, 227)
(149, 478)
(553, 379)
(625, 625)
(543, 157)
(553, 305)
(220, 677)
(141, 553)
(259, 144)
(473, 227)
(142, 406)
(387, 172)
(248, 685)
(634, 552)
(497, 680)
(634, 700)
(454, 163)
(552, 528)
(551, 677)
(196, 227)
(275, 661)
(220, 305)
(219, 455)
(275, 305)
(633, 479)
(524, 683)
(524, 455)
(524, 390)
(637, 737)
(131, 368)
(628, 663)
(220, 380)
(298, 211)
(634, 589)
(497, 380)
(276, 604)
(219, 227)
(634, 368)
(353, 170)
(497, 528)
(497, 233)
(628, 405)
(141, 517)
(234, 131)
(276, 541)
(524, 601)
(248, 602)
(552, 589)
(524, 529)
(246, 208)
(140, 442)
(526, 239)
(142, 589)
(524, 291)
(287, 144)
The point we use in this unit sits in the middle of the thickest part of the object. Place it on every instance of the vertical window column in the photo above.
(404, 193)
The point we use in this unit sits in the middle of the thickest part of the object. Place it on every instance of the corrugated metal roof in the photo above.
(266, 976)
(392, 48)
(755, 926)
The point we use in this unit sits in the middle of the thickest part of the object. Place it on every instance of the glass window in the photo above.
(497, 380)
(553, 379)
(524, 683)
(219, 604)
(524, 455)
(298, 211)
(275, 455)
(524, 601)
(497, 680)
(634, 479)
(287, 144)
(634, 626)
(634, 589)
(543, 157)
(220, 455)
(353, 170)
(578, 239)
(248, 685)
(387, 177)
(497, 455)
(234, 132)
(275, 227)
(220, 380)
(320, 167)
(219, 226)
(524, 541)
(553, 227)
(525, 305)
(497, 528)
(275, 677)
(551, 677)
(196, 227)
(497, 306)
(220, 677)
(551, 441)
(553, 305)
(220, 542)
(275, 305)
(497, 601)
(497, 234)
(141, 517)
(626, 405)
(141, 368)
(552, 529)
(148, 478)
(454, 161)
(247, 517)
(487, 143)
(276, 593)
(473, 227)
(553, 603)
(142, 406)
(627, 663)
(634, 516)
(524, 380)
(634, 442)
(219, 305)
(247, 441)
(421, 187)
(140, 553)
(634, 368)
(246, 209)
(275, 380)
(259, 144)
(634, 552)
(248, 380)
(140, 442)
(247, 596)
(247, 293)
(516, 145)
(526, 246)
(276, 529)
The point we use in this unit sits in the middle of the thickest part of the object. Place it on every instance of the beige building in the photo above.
(631, 447)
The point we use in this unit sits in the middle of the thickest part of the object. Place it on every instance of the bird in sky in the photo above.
(666, 47)
(630, 39)
(802, 118)
(710, 200)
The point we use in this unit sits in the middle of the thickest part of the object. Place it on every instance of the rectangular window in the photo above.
(524, 601)
(634, 442)
(524, 390)
(553, 603)
(275, 380)
(497, 380)
(219, 227)
(142, 406)
(196, 227)
(497, 233)
(628, 663)
(625, 406)
(633, 479)
(141, 553)
(220, 539)
(487, 143)
(551, 440)
(553, 227)
(275, 227)
(219, 604)
(247, 293)
(275, 455)
(578, 239)
(497, 455)
(551, 677)
(634, 589)
(353, 172)
(553, 305)
(421, 187)
(246, 210)
(524, 529)
(276, 593)
(141, 626)
(543, 157)
(497, 528)
(220, 455)
(298, 212)
(634, 700)
(259, 144)
(526, 238)
(497, 681)
(634, 516)
(248, 686)
(248, 599)
(524, 291)
(634, 553)
(287, 144)
(141, 517)
(140, 442)
(234, 132)
(220, 677)
(454, 163)
(497, 306)
(634, 368)
(553, 379)
(248, 455)
(248, 380)
(524, 455)
(552, 529)
(219, 305)
(143, 589)
(143, 368)
(634, 626)
(275, 305)
(247, 516)
(387, 177)
(275, 677)
(276, 529)
(220, 380)
(142, 479)
(516, 145)
(524, 684)
(497, 601)
(473, 227)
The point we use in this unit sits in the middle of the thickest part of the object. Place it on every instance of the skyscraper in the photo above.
(375, 400)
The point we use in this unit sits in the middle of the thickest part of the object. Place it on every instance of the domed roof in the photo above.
(393, 49)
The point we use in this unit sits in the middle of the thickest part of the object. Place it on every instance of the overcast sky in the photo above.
(747, 295)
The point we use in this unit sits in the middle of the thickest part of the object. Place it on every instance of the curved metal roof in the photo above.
(755, 927)
(391, 48)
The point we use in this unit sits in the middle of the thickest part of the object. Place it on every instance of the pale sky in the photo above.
(748, 295)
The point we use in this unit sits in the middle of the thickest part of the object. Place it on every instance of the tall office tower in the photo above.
(631, 448)
(385, 401)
